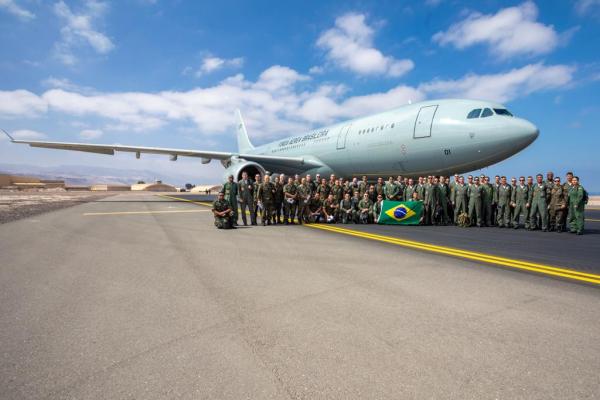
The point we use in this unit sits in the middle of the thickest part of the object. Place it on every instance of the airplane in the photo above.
(437, 137)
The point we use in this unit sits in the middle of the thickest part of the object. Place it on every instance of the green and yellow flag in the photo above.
(400, 212)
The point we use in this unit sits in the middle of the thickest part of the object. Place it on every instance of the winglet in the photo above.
(10, 137)
(244, 144)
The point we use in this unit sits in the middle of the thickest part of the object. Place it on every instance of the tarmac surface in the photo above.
(566, 250)
(141, 297)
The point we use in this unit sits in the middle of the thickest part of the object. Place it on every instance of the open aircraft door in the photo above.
(341, 140)
(424, 121)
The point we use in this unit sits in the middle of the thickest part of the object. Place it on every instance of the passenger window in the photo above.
(486, 113)
(474, 113)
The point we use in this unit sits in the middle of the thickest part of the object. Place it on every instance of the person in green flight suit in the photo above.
(266, 200)
(577, 201)
(223, 212)
(410, 189)
(557, 207)
(520, 202)
(230, 190)
(444, 193)
(487, 199)
(364, 210)
(504, 199)
(475, 193)
(392, 190)
(460, 200)
(539, 206)
(246, 196)
(290, 201)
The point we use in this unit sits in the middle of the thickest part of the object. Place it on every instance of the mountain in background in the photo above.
(87, 175)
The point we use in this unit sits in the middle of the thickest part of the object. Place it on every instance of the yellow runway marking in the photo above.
(454, 252)
(143, 212)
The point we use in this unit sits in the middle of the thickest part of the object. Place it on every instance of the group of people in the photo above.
(534, 203)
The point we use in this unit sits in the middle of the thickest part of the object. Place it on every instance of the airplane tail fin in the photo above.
(242, 135)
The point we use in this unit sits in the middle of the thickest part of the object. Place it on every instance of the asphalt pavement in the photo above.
(141, 297)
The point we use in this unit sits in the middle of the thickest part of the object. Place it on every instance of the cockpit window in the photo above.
(502, 111)
(486, 113)
(474, 113)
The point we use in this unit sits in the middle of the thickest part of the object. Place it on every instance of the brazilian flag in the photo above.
(400, 212)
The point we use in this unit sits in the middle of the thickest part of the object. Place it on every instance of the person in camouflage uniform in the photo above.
(460, 201)
(364, 210)
(520, 203)
(290, 201)
(504, 199)
(557, 207)
(337, 191)
(315, 208)
(539, 205)
(323, 189)
(475, 193)
(230, 190)
(577, 201)
(223, 213)
(303, 193)
(246, 196)
(567, 188)
(266, 200)
(278, 200)
(255, 185)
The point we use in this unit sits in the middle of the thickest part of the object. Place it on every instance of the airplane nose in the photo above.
(527, 131)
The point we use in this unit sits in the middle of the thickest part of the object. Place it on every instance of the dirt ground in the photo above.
(22, 204)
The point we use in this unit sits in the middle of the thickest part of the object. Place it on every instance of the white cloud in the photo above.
(212, 64)
(511, 31)
(316, 70)
(350, 45)
(12, 7)
(89, 134)
(583, 7)
(79, 29)
(21, 103)
(281, 101)
(504, 86)
(26, 134)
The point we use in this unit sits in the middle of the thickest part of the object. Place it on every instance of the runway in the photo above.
(580, 253)
(137, 296)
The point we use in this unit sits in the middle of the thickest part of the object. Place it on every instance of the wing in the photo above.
(206, 156)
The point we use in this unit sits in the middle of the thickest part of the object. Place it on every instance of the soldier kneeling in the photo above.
(222, 212)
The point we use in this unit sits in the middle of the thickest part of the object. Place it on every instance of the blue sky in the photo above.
(170, 73)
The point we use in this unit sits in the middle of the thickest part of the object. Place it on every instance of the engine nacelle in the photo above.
(235, 167)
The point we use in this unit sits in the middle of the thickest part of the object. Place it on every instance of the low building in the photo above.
(110, 188)
(153, 187)
(203, 189)
(29, 182)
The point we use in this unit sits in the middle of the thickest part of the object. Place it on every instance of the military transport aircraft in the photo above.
(439, 137)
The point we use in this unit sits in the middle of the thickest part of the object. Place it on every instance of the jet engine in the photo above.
(236, 166)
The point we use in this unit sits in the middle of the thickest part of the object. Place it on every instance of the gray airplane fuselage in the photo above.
(426, 138)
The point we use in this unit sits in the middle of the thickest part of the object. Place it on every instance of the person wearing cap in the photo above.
(230, 190)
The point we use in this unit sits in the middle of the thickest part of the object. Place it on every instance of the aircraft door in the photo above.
(424, 121)
(342, 135)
